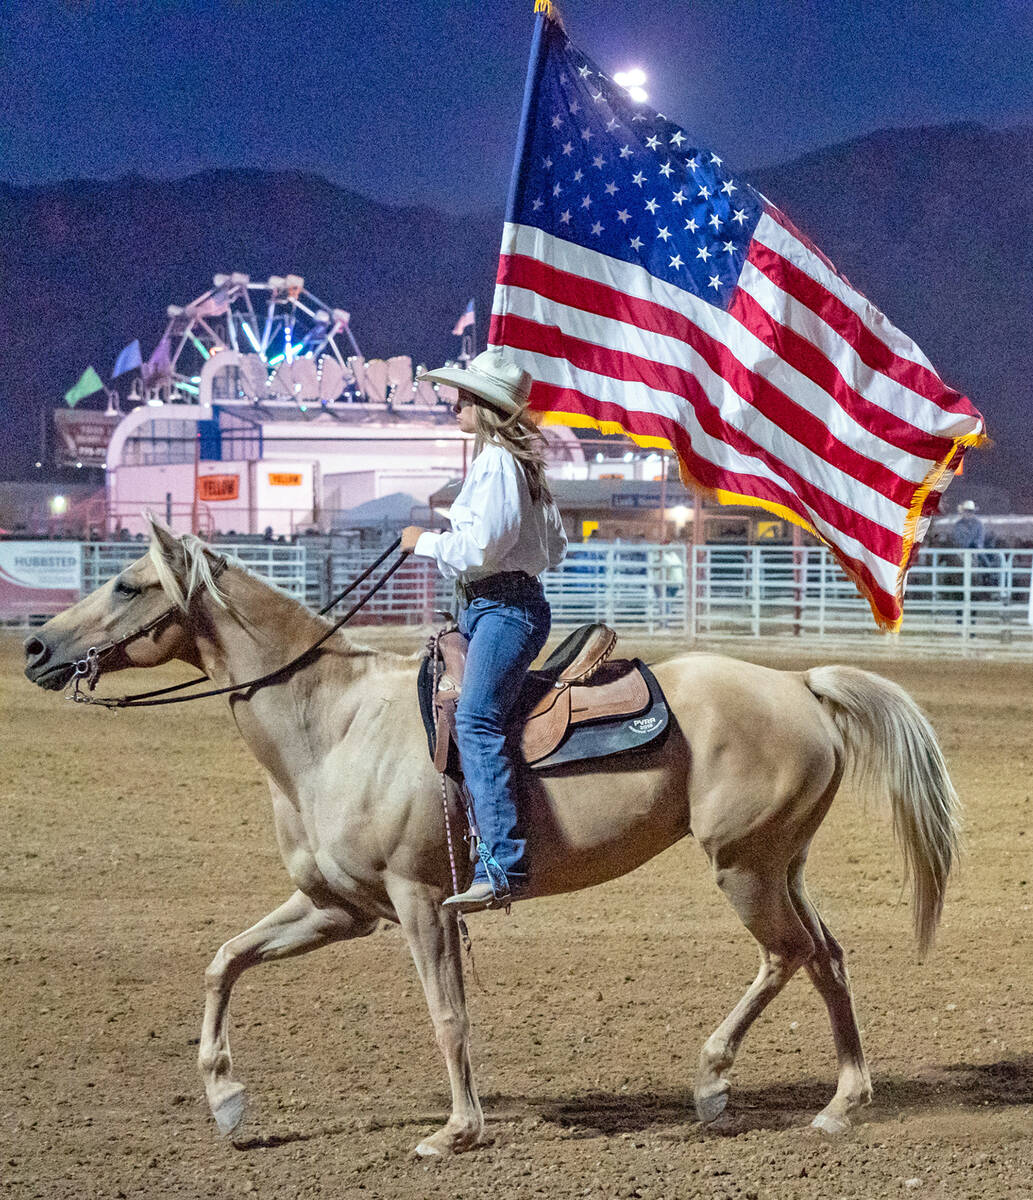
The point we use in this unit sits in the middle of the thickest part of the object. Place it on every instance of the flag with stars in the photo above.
(649, 290)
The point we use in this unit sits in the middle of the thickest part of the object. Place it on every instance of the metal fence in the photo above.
(958, 600)
(281, 564)
(632, 586)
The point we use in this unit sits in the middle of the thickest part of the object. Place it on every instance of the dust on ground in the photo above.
(134, 844)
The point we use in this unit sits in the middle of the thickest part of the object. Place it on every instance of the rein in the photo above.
(88, 669)
(472, 831)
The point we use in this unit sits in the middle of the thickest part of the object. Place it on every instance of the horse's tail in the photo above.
(891, 747)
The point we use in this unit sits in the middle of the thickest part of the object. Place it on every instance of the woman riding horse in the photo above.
(749, 767)
(505, 531)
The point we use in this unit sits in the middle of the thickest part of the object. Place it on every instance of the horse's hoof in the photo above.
(447, 1141)
(427, 1149)
(229, 1112)
(711, 1102)
(830, 1124)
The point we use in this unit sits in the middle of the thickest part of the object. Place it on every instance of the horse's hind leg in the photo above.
(761, 899)
(828, 973)
(295, 927)
(433, 938)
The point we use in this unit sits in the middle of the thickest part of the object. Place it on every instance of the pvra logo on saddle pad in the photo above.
(645, 724)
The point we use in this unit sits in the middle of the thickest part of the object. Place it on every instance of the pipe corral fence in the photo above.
(961, 601)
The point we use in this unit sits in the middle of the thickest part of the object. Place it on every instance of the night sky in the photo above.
(418, 103)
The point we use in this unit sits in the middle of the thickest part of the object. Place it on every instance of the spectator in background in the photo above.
(968, 532)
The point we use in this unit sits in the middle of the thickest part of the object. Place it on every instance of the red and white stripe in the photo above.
(802, 396)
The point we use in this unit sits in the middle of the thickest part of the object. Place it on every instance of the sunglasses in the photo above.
(461, 403)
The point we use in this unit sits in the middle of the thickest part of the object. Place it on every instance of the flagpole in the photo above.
(535, 68)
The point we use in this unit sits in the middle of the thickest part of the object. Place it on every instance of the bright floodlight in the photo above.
(632, 81)
(58, 505)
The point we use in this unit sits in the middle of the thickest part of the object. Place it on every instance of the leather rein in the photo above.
(89, 668)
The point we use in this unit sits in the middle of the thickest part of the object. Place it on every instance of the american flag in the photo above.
(651, 291)
(465, 321)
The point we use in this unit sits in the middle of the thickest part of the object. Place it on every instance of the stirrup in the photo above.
(477, 898)
(497, 877)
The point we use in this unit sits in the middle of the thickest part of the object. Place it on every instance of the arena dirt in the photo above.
(134, 844)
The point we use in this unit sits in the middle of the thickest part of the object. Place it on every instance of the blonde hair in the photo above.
(196, 568)
(517, 433)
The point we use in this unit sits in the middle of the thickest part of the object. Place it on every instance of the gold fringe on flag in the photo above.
(720, 496)
(543, 6)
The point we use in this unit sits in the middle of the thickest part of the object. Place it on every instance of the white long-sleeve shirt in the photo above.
(495, 524)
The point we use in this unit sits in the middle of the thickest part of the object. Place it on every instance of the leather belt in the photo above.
(499, 586)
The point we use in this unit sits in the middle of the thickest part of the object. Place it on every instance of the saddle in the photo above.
(581, 704)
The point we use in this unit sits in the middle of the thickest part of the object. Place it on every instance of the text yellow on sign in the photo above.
(218, 487)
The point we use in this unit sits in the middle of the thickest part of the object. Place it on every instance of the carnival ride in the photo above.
(258, 402)
(283, 345)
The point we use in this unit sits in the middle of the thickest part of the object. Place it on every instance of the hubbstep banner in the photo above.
(38, 578)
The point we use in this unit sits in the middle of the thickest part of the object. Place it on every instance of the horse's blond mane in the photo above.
(199, 575)
(200, 578)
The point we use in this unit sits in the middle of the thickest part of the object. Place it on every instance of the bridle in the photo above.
(88, 669)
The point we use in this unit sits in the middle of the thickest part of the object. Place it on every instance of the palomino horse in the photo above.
(749, 767)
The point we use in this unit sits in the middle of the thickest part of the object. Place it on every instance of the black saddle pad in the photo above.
(592, 739)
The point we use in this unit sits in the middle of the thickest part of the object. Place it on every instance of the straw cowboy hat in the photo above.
(500, 383)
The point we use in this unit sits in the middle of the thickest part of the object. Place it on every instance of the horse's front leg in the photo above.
(294, 928)
(433, 938)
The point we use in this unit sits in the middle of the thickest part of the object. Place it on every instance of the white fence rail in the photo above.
(283, 565)
(959, 600)
(963, 599)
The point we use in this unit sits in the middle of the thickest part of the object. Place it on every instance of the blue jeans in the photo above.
(505, 636)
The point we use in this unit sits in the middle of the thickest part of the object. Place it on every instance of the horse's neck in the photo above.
(257, 631)
(260, 631)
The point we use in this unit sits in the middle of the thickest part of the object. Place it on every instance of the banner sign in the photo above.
(218, 487)
(38, 578)
(284, 479)
(635, 500)
(83, 436)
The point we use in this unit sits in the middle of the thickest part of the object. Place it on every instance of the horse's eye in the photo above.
(126, 589)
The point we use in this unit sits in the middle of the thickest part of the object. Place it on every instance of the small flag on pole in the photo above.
(648, 290)
(465, 321)
(214, 305)
(159, 365)
(89, 382)
(128, 360)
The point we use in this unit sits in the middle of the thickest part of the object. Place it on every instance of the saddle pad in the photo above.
(618, 689)
(617, 735)
(596, 739)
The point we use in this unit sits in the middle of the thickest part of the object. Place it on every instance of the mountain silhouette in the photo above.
(932, 224)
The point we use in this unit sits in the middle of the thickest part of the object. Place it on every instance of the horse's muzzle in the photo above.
(40, 670)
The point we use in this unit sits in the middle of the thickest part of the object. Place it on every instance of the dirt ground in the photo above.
(134, 844)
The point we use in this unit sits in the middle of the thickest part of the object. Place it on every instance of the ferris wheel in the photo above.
(286, 343)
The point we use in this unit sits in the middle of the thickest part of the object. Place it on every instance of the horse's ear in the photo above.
(168, 545)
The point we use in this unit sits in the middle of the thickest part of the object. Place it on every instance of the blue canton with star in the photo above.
(606, 173)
